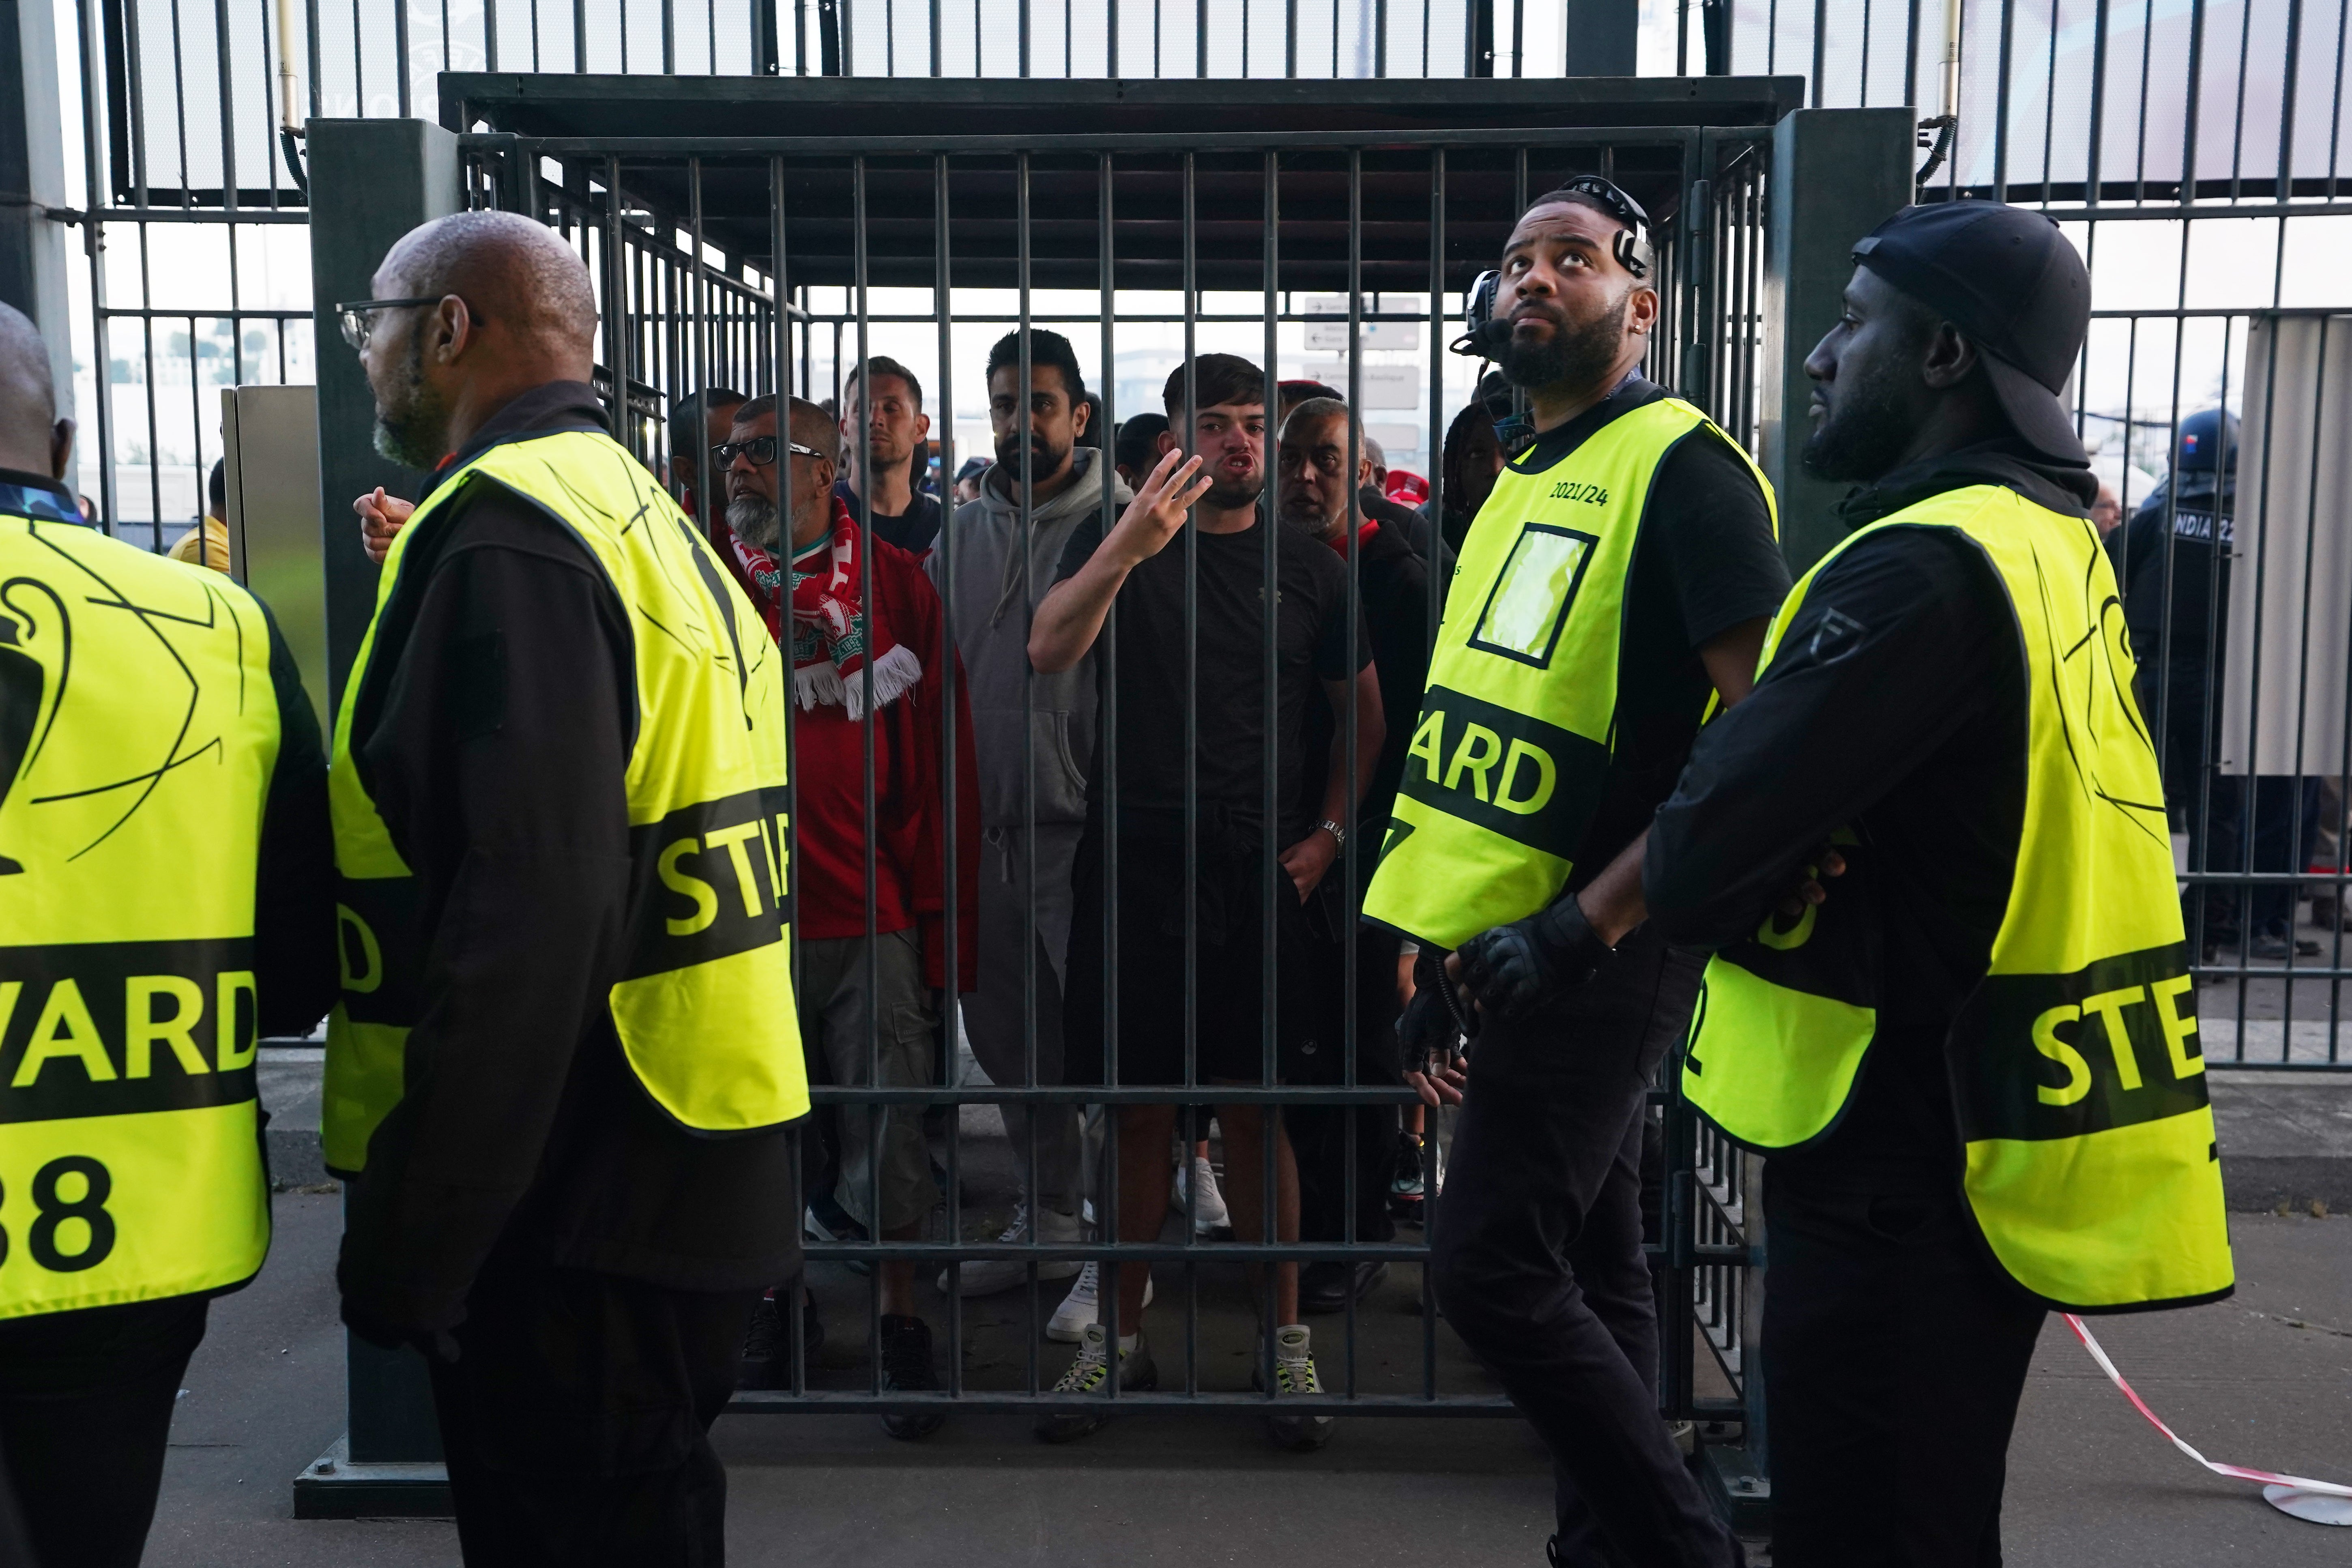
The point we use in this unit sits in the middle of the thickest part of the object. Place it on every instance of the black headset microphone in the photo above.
(1485, 335)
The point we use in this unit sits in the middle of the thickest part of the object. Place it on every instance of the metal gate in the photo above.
(1167, 243)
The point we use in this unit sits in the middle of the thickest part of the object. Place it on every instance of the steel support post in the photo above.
(32, 182)
(1601, 37)
(1836, 174)
(371, 181)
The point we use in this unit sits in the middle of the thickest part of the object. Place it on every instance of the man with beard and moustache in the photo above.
(698, 421)
(1972, 1059)
(1031, 733)
(885, 447)
(837, 636)
(1214, 664)
(1614, 589)
(564, 1049)
(1392, 585)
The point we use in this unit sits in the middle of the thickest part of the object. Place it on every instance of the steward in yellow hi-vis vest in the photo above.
(163, 905)
(703, 1007)
(1930, 853)
(2091, 1160)
(142, 724)
(1512, 748)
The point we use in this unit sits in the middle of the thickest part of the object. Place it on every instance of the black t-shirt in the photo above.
(1310, 646)
(911, 531)
(1706, 561)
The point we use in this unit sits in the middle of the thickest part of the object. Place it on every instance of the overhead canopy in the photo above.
(1120, 146)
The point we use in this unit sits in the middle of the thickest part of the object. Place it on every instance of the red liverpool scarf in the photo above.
(832, 634)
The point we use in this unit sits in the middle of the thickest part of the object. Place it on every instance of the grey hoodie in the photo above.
(992, 629)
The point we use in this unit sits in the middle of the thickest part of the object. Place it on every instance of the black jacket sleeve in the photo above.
(1893, 651)
(498, 762)
(294, 892)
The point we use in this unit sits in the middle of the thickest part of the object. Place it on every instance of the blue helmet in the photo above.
(2206, 441)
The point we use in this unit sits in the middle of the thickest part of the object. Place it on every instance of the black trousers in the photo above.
(576, 1419)
(1538, 1262)
(85, 1412)
(1318, 1134)
(1895, 1353)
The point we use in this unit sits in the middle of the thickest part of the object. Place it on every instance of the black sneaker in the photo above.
(1328, 1287)
(906, 1368)
(767, 1349)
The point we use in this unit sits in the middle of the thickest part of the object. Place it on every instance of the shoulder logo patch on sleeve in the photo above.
(1836, 636)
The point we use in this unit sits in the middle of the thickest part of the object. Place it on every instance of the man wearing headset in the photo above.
(1615, 586)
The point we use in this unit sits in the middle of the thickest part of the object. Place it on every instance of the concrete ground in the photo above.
(2264, 1379)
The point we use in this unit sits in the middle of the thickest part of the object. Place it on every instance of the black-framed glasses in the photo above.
(359, 317)
(760, 449)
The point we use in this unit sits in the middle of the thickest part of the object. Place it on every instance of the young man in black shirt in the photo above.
(1316, 481)
(885, 438)
(1185, 807)
(1539, 1260)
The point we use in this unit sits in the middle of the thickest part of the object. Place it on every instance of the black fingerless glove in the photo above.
(1430, 1024)
(1514, 970)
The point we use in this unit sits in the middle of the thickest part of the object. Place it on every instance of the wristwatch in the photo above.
(1338, 834)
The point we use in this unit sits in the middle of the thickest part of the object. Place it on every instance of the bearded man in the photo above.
(1617, 581)
(869, 657)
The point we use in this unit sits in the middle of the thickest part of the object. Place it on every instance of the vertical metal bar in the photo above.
(1821, 47)
(669, 36)
(93, 238)
(1025, 392)
(399, 55)
(943, 299)
(579, 38)
(608, 274)
(1432, 610)
(1107, 644)
(938, 67)
(877, 1117)
(778, 269)
(1350, 1115)
(2094, 154)
(1270, 804)
(1201, 38)
(1190, 441)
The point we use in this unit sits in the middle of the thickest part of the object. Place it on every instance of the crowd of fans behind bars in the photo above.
(803, 484)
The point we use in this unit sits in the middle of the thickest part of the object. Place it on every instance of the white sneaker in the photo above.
(1083, 1306)
(990, 1276)
(1294, 1376)
(1212, 1218)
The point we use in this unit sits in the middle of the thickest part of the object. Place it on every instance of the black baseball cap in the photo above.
(2007, 277)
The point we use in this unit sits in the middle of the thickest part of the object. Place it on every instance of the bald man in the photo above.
(155, 919)
(565, 1044)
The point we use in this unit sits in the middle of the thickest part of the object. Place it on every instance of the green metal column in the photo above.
(371, 181)
(1836, 174)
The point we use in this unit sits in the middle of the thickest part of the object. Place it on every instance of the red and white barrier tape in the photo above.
(2321, 1502)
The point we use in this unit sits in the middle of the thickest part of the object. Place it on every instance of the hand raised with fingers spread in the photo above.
(1158, 511)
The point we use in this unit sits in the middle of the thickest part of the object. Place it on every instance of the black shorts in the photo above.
(1228, 1015)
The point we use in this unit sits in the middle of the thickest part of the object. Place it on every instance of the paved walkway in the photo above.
(2090, 1484)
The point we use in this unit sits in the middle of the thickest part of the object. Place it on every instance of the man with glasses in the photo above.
(870, 656)
(565, 1041)
(1613, 588)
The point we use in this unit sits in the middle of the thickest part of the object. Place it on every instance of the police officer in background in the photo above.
(163, 903)
(566, 1033)
(1975, 1065)
(1616, 583)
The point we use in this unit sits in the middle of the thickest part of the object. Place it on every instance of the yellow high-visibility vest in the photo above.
(704, 1009)
(139, 730)
(1511, 750)
(2091, 1165)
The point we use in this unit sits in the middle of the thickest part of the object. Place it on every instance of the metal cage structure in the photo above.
(1178, 236)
